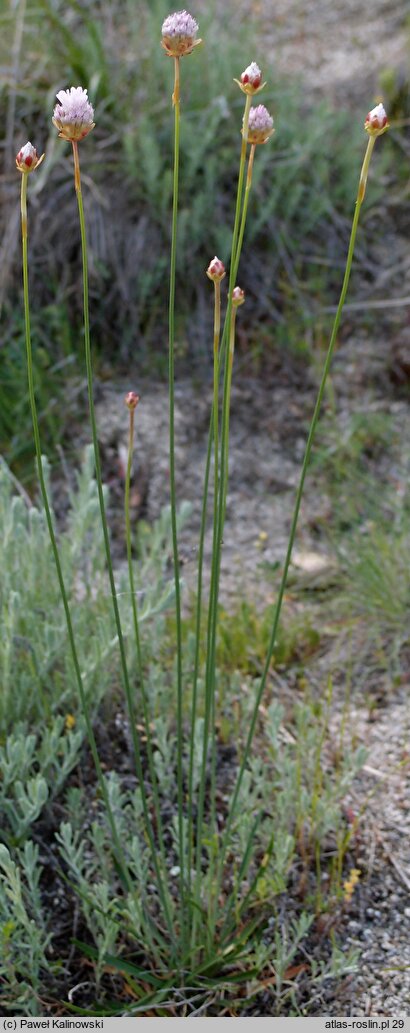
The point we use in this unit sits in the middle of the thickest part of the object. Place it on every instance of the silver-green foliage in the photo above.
(33, 768)
(37, 752)
(369, 531)
(24, 938)
(38, 685)
(85, 849)
(287, 789)
(35, 665)
(99, 905)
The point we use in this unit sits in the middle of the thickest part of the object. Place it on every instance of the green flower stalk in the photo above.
(27, 161)
(375, 124)
(74, 118)
(250, 84)
(216, 273)
(238, 298)
(131, 401)
(257, 128)
(248, 87)
(178, 40)
(171, 378)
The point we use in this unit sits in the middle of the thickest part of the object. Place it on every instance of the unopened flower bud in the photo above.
(178, 34)
(238, 297)
(27, 158)
(131, 400)
(260, 125)
(376, 121)
(216, 270)
(251, 79)
(73, 115)
(252, 75)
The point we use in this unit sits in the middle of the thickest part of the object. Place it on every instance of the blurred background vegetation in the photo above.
(304, 188)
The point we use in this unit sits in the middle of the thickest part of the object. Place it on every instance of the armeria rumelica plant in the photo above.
(204, 906)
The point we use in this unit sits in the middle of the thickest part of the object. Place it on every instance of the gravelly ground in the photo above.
(336, 49)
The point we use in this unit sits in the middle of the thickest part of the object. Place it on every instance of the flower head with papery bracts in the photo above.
(178, 34)
(73, 115)
(27, 158)
(260, 126)
(131, 400)
(216, 270)
(251, 79)
(376, 121)
(238, 297)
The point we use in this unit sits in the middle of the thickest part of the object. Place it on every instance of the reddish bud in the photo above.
(251, 79)
(27, 159)
(376, 121)
(238, 297)
(216, 270)
(131, 400)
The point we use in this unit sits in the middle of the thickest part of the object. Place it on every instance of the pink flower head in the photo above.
(251, 79)
(376, 121)
(216, 270)
(178, 34)
(27, 158)
(73, 115)
(260, 126)
(131, 400)
(238, 297)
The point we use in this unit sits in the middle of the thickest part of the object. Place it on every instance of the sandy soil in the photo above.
(337, 49)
